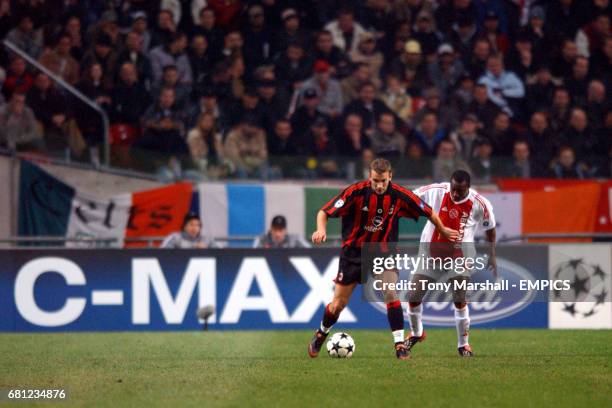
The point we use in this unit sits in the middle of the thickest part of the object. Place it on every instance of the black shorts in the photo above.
(349, 268)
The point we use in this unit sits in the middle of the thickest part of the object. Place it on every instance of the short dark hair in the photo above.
(380, 165)
(460, 176)
(190, 216)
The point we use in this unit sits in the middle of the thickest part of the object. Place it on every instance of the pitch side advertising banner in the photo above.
(117, 290)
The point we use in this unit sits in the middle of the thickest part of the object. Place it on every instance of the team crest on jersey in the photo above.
(453, 213)
(339, 203)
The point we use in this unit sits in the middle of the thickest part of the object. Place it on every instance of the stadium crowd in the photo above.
(279, 88)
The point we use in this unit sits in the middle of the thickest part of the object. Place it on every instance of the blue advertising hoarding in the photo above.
(136, 290)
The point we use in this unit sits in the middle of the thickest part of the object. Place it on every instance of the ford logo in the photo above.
(485, 306)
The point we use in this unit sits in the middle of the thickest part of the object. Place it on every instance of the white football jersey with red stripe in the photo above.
(465, 216)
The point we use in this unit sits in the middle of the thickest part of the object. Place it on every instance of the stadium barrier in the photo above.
(143, 290)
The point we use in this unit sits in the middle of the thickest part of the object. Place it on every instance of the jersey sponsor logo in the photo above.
(376, 224)
(339, 203)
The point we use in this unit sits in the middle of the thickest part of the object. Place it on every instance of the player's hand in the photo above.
(450, 234)
(319, 237)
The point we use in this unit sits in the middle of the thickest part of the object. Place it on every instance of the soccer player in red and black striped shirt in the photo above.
(370, 212)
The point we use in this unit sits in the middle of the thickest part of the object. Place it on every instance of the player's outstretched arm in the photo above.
(320, 235)
(448, 233)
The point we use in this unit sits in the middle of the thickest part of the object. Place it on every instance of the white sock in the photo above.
(462, 322)
(415, 315)
(325, 329)
(398, 336)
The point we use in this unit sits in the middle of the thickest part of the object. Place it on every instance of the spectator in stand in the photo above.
(43, 97)
(290, 33)
(476, 60)
(292, 67)
(491, 31)
(351, 84)
(163, 129)
(504, 88)
(367, 52)
(559, 111)
(26, 37)
(206, 26)
(170, 79)
(433, 104)
(201, 61)
(306, 115)
(245, 145)
(272, 100)
(577, 83)
(462, 38)
(597, 104)
(580, 137)
(206, 151)
(172, 53)
(411, 65)
(88, 120)
(235, 110)
(445, 70)
(277, 236)
(190, 236)
(398, 100)
(282, 140)
(328, 89)
(483, 165)
(140, 25)
(426, 34)
(561, 66)
(257, 39)
(501, 134)
(326, 50)
(566, 166)
(447, 161)
(60, 62)
(351, 140)
(540, 91)
(128, 89)
(465, 137)
(103, 54)
(539, 35)
(386, 141)
(521, 59)
(463, 95)
(18, 128)
(164, 31)
(133, 52)
(233, 44)
(428, 134)
(62, 136)
(542, 143)
(368, 106)
(345, 31)
(520, 164)
(18, 79)
(601, 61)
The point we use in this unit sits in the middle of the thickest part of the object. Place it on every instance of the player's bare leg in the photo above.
(342, 294)
(415, 312)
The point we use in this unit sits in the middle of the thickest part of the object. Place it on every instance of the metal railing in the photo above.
(78, 94)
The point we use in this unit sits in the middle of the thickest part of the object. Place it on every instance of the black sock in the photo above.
(395, 316)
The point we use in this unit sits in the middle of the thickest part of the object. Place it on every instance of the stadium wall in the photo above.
(151, 290)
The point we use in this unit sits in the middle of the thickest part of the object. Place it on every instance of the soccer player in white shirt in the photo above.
(463, 209)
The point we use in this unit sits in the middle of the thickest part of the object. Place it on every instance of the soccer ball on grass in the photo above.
(341, 345)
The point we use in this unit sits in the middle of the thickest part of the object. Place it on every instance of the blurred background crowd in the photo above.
(209, 89)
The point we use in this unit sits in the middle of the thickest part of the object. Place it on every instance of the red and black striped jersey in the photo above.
(370, 217)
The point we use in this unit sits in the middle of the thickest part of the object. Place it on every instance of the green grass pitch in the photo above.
(245, 369)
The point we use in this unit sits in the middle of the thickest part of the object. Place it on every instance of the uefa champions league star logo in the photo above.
(588, 284)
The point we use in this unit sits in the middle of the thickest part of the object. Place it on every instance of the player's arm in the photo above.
(491, 237)
(448, 233)
(320, 235)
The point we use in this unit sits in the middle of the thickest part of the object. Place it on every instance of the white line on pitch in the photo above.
(106, 297)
